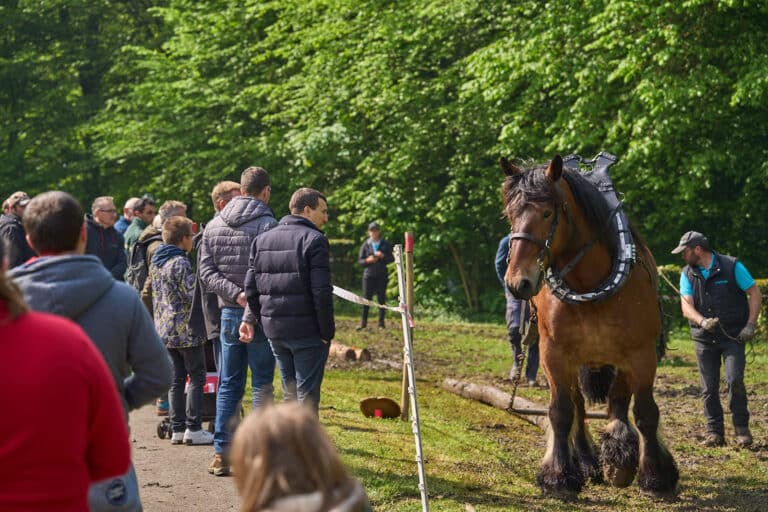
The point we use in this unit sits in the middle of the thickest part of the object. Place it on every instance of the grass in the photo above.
(480, 458)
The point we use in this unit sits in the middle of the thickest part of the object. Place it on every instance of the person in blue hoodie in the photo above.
(173, 283)
(65, 281)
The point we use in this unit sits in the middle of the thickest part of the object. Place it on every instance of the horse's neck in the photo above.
(596, 263)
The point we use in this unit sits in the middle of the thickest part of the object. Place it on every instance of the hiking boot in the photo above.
(197, 437)
(161, 407)
(177, 438)
(219, 465)
(743, 437)
(713, 439)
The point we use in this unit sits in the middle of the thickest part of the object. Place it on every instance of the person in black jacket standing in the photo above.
(12, 231)
(289, 292)
(104, 240)
(375, 254)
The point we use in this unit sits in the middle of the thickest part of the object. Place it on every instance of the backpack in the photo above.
(138, 266)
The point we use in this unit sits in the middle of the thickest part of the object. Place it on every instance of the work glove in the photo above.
(747, 333)
(710, 324)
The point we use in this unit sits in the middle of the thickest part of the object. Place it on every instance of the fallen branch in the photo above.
(489, 395)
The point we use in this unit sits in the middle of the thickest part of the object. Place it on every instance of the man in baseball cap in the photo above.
(721, 301)
(691, 239)
(12, 231)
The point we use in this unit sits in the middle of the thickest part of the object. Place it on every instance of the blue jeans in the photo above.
(709, 356)
(302, 365)
(117, 494)
(236, 358)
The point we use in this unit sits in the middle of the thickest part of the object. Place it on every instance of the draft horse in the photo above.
(561, 220)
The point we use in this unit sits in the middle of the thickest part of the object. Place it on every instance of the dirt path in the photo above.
(173, 478)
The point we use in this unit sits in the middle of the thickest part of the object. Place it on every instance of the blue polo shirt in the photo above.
(743, 278)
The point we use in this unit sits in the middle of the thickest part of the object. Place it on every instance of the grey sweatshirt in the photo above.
(110, 312)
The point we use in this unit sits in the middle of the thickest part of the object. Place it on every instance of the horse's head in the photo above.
(533, 204)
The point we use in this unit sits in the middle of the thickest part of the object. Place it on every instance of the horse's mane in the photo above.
(533, 186)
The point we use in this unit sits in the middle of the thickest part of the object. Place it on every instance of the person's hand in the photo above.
(241, 300)
(246, 332)
(378, 255)
(710, 324)
(747, 333)
(370, 259)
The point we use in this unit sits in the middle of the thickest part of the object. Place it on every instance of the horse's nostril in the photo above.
(524, 286)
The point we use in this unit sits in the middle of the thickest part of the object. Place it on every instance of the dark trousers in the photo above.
(185, 411)
(709, 357)
(515, 339)
(377, 285)
(302, 366)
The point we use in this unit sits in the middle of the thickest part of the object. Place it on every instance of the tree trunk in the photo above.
(472, 304)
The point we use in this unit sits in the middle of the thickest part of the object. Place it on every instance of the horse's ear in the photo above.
(507, 167)
(555, 168)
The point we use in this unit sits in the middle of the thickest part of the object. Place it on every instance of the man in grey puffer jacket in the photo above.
(67, 282)
(223, 264)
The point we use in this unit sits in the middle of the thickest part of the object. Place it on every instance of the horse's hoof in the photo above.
(564, 485)
(592, 472)
(619, 476)
(660, 479)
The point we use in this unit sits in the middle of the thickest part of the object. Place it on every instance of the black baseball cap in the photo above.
(691, 239)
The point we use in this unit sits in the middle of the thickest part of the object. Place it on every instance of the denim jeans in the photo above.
(185, 409)
(709, 356)
(302, 365)
(117, 494)
(236, 358)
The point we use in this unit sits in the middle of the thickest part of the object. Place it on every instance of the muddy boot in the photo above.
(713, 439)
(743, 437)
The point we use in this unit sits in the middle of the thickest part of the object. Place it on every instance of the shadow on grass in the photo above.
(731, 493)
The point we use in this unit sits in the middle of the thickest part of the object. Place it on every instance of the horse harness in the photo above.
(622, 264)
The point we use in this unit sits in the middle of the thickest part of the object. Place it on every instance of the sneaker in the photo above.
(161, 407)
(196, 437)
(177, 438)
(713, 439)
(359, 327)
(743, 437)
(533, 384)
(219, 465)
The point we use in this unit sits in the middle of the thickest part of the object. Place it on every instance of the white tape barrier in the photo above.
(351, 297)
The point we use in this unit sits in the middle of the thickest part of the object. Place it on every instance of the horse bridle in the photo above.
(544, 245)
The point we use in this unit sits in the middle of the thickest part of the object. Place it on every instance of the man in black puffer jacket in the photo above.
(289, 291)
(223, 262)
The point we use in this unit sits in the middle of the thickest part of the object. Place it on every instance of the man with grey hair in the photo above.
(125, 220)
(104, 240)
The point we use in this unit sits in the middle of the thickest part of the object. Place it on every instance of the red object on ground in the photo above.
(377, 413)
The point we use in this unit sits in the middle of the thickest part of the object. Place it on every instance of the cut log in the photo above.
(489, 395)
(345, 353)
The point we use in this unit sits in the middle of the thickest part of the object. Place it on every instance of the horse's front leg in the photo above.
(619, 441)
(560, 472)
(585, 447)
(658, 471)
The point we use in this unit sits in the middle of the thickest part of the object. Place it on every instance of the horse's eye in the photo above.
(547, 214)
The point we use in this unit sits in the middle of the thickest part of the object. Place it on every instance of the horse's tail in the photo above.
(596, 382)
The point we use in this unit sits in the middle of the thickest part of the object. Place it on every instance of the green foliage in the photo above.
(398, 111)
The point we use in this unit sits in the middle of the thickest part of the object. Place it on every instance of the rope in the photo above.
(722, 329)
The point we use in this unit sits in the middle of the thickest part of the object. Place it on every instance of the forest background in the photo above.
(399, 112)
